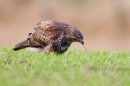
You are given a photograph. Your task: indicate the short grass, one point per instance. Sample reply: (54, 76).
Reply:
(74, 68)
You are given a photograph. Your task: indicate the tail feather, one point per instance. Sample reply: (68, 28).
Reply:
(25, 44)
(22, 45)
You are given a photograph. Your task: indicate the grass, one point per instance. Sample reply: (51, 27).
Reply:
(74, 68)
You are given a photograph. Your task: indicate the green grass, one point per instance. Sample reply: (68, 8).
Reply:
(73, 68)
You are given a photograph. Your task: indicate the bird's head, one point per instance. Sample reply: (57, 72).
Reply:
(77, 36)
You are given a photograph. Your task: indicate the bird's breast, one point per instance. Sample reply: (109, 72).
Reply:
(61, 47)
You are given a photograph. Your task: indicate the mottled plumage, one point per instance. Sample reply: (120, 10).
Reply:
(51, 36)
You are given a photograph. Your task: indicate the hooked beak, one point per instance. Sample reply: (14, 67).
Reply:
(82, 42)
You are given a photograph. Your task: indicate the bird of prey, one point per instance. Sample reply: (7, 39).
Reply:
(51, 36)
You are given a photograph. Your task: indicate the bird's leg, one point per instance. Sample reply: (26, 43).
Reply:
(47, 49)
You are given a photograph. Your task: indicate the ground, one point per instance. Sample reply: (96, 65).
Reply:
(74, 68)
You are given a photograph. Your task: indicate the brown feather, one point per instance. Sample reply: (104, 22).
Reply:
(52, 36)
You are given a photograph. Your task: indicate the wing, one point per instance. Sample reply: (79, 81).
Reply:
(45, 32)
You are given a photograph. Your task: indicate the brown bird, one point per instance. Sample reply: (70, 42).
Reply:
(51, 36)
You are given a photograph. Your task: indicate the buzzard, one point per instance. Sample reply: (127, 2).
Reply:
(51, 36)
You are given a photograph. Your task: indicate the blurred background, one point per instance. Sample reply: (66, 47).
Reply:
(105, 24)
